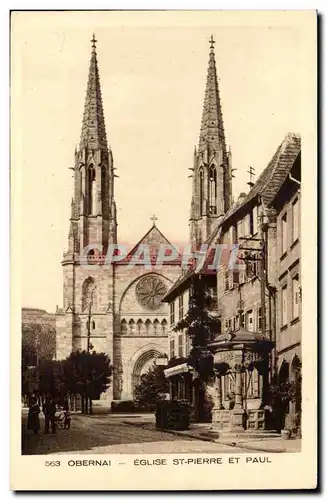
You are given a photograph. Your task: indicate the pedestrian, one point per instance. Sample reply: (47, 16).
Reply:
(33, 419)
(67, 415)
(49, 410)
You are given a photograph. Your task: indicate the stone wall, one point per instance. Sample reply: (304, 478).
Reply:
(140, 334)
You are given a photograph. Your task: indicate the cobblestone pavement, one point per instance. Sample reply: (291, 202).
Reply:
(104, 434)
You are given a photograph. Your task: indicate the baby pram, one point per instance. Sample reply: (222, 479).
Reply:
(60, 419)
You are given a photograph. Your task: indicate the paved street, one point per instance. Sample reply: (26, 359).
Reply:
(108, 434)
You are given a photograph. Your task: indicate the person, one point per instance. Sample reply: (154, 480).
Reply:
(67, 415)
(49, 410)
(33, 419)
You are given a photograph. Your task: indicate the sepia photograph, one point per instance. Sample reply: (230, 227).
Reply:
(158, 164)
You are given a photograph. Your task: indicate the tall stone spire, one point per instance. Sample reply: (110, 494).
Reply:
(93, 134)
(212, 132)
(93, 210)
(212, 188)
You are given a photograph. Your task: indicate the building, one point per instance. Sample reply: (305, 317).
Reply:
(265, 218)
(211, 199)
(287, 204)
(256, 285)
(109, 307)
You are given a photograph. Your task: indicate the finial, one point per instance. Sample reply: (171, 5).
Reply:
(153, 218)
(94, 41)
(212, 42)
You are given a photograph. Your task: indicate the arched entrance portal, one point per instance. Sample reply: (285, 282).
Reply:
(142, 365)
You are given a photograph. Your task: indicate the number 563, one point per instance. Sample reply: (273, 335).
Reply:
(52, 464)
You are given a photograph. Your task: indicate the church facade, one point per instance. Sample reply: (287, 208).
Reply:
(113, 308)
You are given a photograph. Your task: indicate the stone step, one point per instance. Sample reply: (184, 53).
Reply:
(244, 435)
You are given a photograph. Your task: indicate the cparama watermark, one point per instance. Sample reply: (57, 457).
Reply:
(209, 257)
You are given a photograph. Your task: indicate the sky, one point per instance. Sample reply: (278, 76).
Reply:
(153, 72)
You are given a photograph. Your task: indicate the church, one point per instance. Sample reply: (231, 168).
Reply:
(116, 309)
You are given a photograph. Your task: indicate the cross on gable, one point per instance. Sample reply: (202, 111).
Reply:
(154, 218)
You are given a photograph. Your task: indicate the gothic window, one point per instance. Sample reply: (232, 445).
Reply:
(139, 325)
(201, 191)
(123, 326)
(164, 325)
(93, 325)
(131, 324)
(91, 189)
(147, 325)
(150, 291)
(88, 294)
(213, 189)
(155, 326)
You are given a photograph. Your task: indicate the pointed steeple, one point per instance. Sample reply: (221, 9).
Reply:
(93, 135)
(212, 185)
(212, 132)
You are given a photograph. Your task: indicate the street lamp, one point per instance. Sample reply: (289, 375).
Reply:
(89, 320)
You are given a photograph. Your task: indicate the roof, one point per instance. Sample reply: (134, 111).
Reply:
(153, 239)
(93, 134)
(212, 127)
(233, 338)
(192, 269)
(273, 176)
(267, 187)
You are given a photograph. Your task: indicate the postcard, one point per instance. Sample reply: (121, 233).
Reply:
(164, 288)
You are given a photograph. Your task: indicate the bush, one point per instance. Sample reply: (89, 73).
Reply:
(208, 404)
(123, 406)
(173, 415)
(153, 385)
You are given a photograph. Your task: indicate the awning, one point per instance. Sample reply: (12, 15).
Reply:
(176, 370)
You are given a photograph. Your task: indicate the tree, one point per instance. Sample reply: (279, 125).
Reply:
(38, 343)
(51, 379)
(152, 387)
(87, 374)
(201, 325)
(30, 381)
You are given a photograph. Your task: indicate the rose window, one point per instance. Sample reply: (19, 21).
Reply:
(150, 291)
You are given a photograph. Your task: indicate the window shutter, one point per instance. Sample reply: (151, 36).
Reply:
(255, 216)
(226, 281)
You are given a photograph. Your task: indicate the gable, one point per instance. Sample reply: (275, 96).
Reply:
(153, 240)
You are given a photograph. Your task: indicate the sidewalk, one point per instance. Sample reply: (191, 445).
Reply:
(201, 432)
